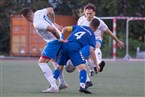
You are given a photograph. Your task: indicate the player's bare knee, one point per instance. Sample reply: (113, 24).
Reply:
(91, 49)
(42, 60)
(60, 67)
(81, 67)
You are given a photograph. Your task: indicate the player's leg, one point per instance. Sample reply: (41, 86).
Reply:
(88, 81)
(62, 59)
(98, 51)
(51, 89)
(91, 66)
(86, 53)
(99, 56)
(62, 83)
(43, 63)
(57, 73)
(49, 52)
(79, 61)
(83, 77)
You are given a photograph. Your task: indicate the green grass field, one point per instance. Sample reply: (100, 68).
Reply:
(119, 79)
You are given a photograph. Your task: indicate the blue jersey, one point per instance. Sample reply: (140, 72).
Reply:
(80, 37)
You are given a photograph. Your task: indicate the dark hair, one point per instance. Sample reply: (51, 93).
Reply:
(25, 11)
(90, 6)
(95, 23)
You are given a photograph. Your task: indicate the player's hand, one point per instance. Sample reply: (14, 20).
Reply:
(97, 68)
(63, 41)
(121, 44)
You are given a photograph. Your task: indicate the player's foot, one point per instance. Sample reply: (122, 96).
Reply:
(89, 84)
(51, 90)
(96, 72)
(102, 64)
(84, 90)
(62, 86)
(91, 73)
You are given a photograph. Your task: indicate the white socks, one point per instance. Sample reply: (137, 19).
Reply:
(48, 74)
(82, 85)
(90, 64)
(88, 79)
(99, 59)
(98, 55)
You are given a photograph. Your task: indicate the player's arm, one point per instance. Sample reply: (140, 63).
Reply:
(120, 43)
(92, 52)
(93, 57)
(67, 29)
(52, 30)
(51, 14)
(102, 33)
(59, 27)
(105, 29)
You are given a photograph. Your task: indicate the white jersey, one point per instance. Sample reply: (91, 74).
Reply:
(41, 22)
(101, 28)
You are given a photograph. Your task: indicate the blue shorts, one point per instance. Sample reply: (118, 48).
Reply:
(86, 51)
(75, 56)
(51, 50)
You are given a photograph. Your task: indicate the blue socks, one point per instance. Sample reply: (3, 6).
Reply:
(56, 73)
(83, 76)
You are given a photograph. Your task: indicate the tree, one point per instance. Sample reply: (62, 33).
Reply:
(72, 7)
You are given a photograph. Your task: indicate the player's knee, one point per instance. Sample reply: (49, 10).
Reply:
(60, 67)
(42, 60)
(91, 49)
(82, 67)
(97, 44)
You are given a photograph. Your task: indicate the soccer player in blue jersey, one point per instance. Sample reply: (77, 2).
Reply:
(80, 37)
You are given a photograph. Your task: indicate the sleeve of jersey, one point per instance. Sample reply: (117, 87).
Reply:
(103, 26)
(80, 20)
(45, 10)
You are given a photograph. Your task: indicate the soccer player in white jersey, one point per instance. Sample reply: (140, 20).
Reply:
(89, 14)
(43, 21)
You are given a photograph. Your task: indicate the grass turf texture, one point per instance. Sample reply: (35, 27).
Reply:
(119, 79)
